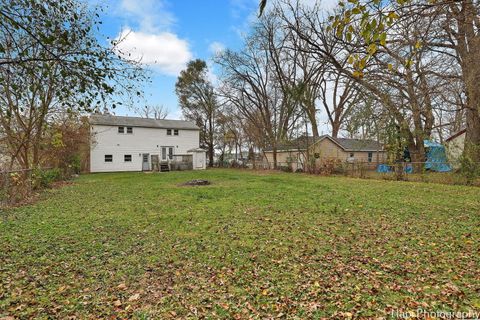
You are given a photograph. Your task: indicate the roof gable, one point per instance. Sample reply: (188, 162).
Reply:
(456, 134)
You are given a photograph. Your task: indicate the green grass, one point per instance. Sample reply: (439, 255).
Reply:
(250, 245)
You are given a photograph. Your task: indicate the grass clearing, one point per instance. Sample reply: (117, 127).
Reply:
(249, 245)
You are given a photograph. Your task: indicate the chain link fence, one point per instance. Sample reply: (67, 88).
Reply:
(15, 185)
(438, 172)
(18, 185)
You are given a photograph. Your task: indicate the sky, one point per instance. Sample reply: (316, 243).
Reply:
(166, 34)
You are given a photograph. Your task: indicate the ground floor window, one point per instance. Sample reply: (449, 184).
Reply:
(370, 156)
(127, 158)
(108, 158)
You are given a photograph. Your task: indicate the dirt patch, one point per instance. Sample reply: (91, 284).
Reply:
(196, 182)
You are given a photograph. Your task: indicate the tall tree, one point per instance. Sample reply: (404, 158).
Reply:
(51, 61)
(199, 102)
(455, 26)
(251, 83)
(400, 73)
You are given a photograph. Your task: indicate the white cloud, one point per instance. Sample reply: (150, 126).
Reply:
(163, 51)
(150, 15)
(216, 47)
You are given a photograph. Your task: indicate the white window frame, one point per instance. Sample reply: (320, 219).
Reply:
(105, 158)
(125, 158)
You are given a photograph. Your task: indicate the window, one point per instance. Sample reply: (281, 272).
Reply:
(108, 158)
(169, 132)
(352, 154)
(370, 156)
(317, 155)
(121, 129)
(129, 130)
(175, 132)
(127, 158)
(167, 152)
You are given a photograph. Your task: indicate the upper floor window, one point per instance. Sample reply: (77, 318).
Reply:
(169, 132)
(175, 132)
(129, 130)
(121, 129)
(108, 158)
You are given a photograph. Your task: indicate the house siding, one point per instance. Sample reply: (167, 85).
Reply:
(107, 140)
(454, 150)
(327, 150)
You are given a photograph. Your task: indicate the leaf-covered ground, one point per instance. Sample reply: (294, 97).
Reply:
(251, 245)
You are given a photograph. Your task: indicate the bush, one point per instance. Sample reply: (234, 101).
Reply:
(44, 178)
(75, 164)
(469, 168)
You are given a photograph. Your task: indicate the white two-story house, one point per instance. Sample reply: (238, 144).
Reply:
(139, 144)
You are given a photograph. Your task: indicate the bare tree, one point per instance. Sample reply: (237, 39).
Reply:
(252, 84)
(158, 112)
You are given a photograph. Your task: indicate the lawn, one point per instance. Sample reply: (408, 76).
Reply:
(251, 245)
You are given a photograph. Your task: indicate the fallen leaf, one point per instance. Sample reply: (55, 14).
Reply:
(135, 297)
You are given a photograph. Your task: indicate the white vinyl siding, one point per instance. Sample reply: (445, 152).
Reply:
(107, 141)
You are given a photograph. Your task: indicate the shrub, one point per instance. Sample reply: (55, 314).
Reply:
(75, 164)
(469, 168)
(43, 178)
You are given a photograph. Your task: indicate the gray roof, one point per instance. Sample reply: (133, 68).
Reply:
(358, 144)
(301, 143)
(109, 120)
(297, 144)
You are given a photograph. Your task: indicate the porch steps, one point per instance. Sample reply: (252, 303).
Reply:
(164, 167)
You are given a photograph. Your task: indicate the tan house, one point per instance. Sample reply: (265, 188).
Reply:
(326, 148)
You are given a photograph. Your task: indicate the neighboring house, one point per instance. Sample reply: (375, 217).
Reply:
(139, 144)
(326, 148)
(454, 147)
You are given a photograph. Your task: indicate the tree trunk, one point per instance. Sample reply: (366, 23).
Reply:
(335, 128)
(210, 141)
(472, 80)
(467, 48)
(275, 157)
(472, 137)
(210, 155)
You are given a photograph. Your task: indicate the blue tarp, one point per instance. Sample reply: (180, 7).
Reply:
(385, 168)
(436, 160)
(436, 157)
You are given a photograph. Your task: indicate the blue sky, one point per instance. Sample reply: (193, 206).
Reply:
(166, 34)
